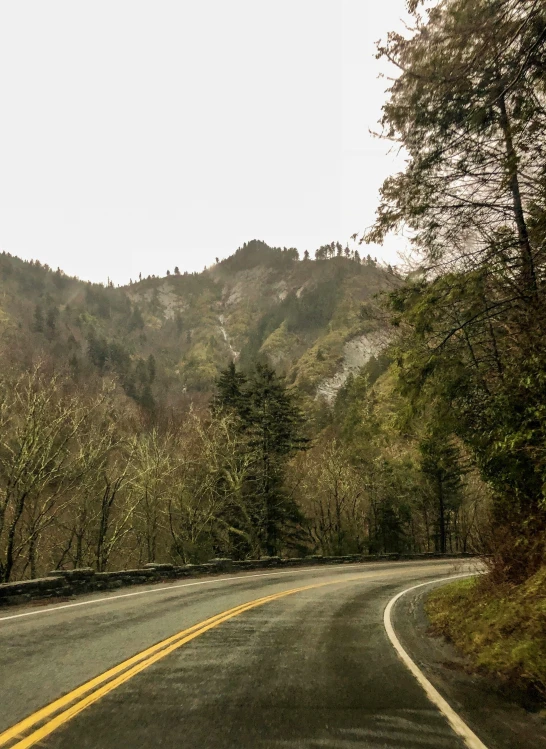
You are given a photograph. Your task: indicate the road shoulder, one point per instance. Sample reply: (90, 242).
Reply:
(498, 721)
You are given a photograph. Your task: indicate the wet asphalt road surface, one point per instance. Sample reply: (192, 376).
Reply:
(311, 670)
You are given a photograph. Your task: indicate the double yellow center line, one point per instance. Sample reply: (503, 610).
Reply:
(43, 722)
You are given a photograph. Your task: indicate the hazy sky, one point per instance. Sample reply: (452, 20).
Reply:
(136, 136)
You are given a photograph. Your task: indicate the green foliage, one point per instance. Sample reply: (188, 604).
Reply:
(98, 301)
(416, 494)
(231, 392)
(255, 253)
(501, 629)
(467, 110)
(136, 321)
(487, 388)
(38, 325)
(307, 314)
(272, 426)
(441, 467)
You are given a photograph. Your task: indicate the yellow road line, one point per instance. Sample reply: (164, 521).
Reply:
(53, 707)
(125, 671)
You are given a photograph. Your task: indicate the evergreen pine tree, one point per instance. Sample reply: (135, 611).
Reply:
(230, 393)
(38, 325)
(147, 399)
(440, 465)
(274, 427)
(151, 368)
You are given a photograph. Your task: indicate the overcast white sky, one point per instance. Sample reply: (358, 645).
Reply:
(136, 136)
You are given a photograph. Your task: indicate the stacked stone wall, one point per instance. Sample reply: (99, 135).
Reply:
(69, 583)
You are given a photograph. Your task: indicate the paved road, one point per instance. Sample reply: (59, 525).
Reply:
(313, 669)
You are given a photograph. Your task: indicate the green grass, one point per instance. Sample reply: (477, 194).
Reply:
(501, 628)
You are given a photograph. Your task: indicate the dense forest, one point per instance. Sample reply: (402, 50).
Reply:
(226, 414)
(469, 109)
(106, 460)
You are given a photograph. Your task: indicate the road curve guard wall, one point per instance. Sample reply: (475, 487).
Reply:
(68, 583)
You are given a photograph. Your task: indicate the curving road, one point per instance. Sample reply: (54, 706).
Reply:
(310, 667)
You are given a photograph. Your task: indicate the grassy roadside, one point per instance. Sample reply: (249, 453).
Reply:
(501, 629)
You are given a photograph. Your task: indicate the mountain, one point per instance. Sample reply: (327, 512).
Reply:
(314, 321)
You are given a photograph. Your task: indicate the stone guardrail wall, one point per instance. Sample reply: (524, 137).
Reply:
(67, 583)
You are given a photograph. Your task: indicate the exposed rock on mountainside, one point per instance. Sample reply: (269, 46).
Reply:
(313, 321)
(356, 353)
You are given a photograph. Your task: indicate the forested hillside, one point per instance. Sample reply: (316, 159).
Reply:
(109, 438)
(246, 410)
(163, 336)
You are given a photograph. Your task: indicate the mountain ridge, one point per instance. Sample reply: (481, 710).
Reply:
(165, 336)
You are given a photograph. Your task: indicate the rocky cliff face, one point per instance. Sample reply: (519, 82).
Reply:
(313, 320)
(356, 353)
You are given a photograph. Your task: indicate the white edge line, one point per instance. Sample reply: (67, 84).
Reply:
(161, 589)
(454, 720)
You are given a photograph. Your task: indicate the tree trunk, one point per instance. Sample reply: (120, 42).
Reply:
(8, 568)
(526, 253)
(442, 519)
(32, 555)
